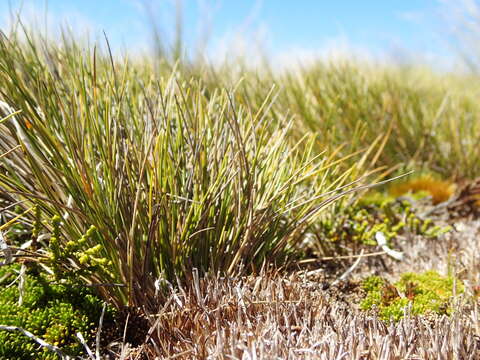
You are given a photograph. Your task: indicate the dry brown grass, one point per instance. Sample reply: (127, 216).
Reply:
(294, 316)
(274, 317)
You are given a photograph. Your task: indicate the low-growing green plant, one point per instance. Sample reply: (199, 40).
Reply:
(428, 292)
(52, 312)
(375, 212)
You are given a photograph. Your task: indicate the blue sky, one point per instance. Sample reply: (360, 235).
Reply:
(283, 26)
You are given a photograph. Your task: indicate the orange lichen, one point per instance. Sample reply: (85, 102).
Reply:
(439, 190)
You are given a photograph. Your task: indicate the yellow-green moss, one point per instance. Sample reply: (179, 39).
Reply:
(53, 312)
(424, 185)
(428, 292)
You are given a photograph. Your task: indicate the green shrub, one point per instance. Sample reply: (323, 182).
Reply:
(375, 212)
(52, 312)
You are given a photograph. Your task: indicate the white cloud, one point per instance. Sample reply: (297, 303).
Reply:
(337, 48)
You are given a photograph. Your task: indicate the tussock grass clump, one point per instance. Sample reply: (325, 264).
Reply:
(165, 174)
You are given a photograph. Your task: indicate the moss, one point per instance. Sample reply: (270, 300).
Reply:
(372, 285)
(52, 312)
(428, 292)
(425, 185)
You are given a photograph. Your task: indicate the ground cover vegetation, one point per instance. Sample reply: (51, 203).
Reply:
(196, 199)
